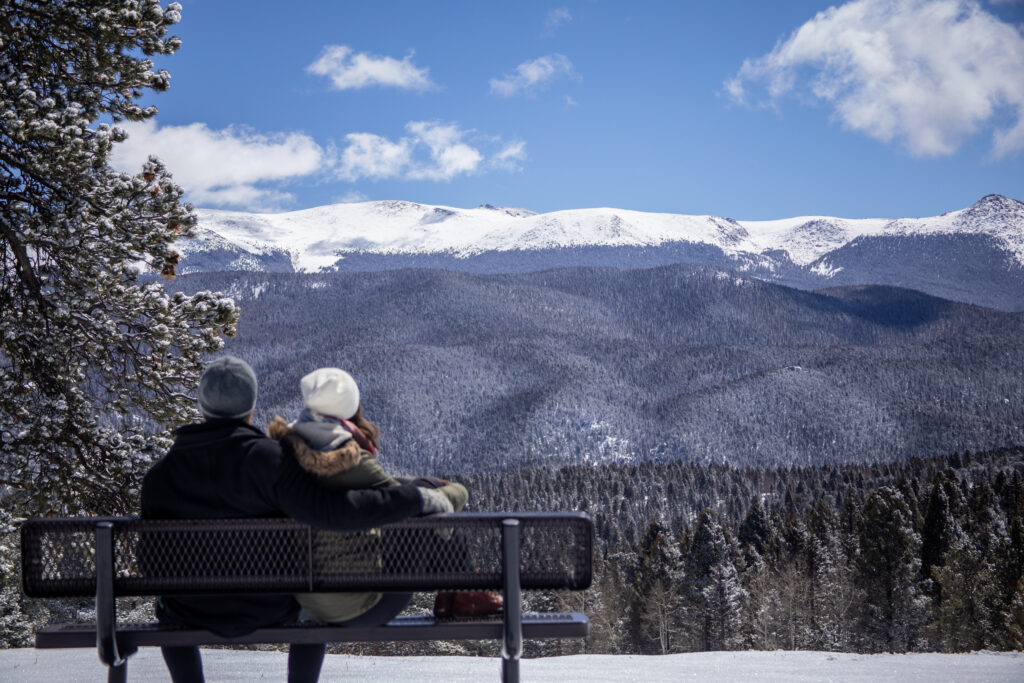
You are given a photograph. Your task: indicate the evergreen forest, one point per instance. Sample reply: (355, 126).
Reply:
(922, 555)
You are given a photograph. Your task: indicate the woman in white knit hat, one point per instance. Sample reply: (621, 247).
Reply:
(332, 422)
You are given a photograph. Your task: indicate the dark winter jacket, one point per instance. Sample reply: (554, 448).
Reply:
(227, 468)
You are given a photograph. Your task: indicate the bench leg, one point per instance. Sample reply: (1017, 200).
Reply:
(118, 674)
(106, 603)
(509, 670)
(512, 648)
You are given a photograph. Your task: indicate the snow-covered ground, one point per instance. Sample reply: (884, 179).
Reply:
(222, 665)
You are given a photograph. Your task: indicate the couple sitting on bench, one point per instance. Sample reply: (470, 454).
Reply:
(320, 470)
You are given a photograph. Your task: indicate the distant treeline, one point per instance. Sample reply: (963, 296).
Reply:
(921, 555)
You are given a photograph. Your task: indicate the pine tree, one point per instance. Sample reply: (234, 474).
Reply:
(712, 590)
(939, 532)
(963, 613)
(724, 601)
(609, 608)
(888, 570)
(93, 358)
(795, 605)
(656, 601)
(757, 530)
(1013, 618)
(1012, 578)
(992, 546)
(762, 627)
(831, 587)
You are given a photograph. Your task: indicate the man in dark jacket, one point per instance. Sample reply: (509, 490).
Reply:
(225, 467)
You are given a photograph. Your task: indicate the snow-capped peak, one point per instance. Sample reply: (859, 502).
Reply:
(316, 238)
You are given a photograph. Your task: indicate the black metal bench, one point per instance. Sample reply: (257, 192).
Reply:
(112, 557)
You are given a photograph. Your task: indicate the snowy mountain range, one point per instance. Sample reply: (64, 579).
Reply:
(974, 255)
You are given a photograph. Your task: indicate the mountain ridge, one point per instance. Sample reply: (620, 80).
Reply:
(808, 252)
(400, 227)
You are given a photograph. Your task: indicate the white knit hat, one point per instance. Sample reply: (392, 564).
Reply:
(330, 391)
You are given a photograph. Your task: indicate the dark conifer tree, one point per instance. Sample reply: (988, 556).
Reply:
(711, 590)
(757, 530)
(724, 601)
(963, 614)
(831, 591)
(655, 603)
(888, 573)
(938, 534)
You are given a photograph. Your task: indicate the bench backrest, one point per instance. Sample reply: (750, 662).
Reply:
(190, 557)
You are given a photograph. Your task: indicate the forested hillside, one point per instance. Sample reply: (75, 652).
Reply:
(475, 373)
(921, 555)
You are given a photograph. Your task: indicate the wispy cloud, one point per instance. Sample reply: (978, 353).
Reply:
(349, 70)
(230, 167)
(510, 157)
(555, 18)
(430, 150)
(353, 197)
(533, 75)
(926, 73)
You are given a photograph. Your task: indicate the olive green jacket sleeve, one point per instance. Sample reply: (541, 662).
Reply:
(368, 474)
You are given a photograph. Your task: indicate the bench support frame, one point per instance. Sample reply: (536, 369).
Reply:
(106, 607)
(512, 648)
(107, 569)
(116, 659)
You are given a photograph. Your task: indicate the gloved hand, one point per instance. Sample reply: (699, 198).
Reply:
(434, 501)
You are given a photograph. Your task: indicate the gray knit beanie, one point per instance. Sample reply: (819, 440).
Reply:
(227, 389)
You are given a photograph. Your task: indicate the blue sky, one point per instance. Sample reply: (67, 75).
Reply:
(752, 110)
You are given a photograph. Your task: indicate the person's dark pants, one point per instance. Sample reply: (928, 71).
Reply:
(304, 661)
(184, 664)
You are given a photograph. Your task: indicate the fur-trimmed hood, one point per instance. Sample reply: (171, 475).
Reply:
(320, 463)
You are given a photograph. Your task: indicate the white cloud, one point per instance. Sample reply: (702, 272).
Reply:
(570, 102)
(450, 156)
(510, 157)
(927, 73)
(430, 151)
(372, 156)
(533, 75)
(229, 167)
(353, 197)
(350, 70)
(555, 18)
